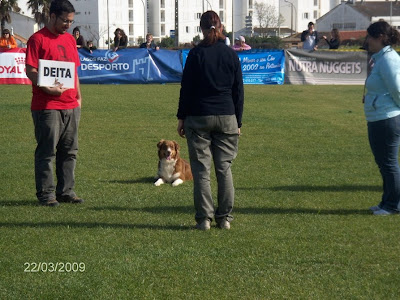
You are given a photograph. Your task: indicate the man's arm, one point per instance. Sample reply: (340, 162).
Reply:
(304, 35)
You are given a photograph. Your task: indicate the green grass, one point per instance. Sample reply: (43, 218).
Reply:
(304, 179)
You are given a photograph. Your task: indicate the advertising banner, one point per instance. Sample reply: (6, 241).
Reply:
(129, 66)
(259, 66)
(263, 67)
(12, 67)
(326, 67)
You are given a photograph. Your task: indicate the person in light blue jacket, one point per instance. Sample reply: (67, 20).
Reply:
(382, 111)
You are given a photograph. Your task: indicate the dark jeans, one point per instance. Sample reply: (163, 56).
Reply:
(56, 133)
(384, 139)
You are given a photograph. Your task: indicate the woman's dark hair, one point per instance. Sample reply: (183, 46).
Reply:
(337, 33)
(390, 35)
(121, 31)
(58, 7)
(210, 24)
(76, 29)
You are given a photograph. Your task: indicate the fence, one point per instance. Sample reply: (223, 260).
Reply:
(138, 66)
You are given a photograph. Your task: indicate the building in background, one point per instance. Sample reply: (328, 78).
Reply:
(98, 19)
(356, 16)
(298, 13)
(22, 27)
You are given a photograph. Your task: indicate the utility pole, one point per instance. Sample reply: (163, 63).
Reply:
(279, 18)
(176, 23)
(291, 16)
(233, 30)
(144, 20)
(108, 28)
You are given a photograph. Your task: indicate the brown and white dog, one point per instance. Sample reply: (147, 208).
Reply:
(171, 167)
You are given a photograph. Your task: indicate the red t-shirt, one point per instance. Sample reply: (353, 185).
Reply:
(46, 45)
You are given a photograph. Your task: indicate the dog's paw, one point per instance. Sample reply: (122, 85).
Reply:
(159, 182)
(177, 182)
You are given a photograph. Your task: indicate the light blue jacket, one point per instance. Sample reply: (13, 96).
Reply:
(382, 100)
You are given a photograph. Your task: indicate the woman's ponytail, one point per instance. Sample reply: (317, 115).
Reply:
(210, 24)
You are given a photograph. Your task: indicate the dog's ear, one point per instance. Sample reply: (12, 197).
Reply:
(176, 146)
(160, 143)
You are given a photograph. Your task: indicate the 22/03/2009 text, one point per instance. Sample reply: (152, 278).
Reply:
(61, 267)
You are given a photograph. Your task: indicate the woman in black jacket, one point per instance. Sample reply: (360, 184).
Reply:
(210, 116)
(120, 39)
(334, 42)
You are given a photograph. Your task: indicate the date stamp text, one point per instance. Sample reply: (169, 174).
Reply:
(52, 267)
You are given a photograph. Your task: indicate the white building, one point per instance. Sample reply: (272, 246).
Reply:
(298, 13)
(98, 19)
(355, 16)
(22, 25)
(161, 16)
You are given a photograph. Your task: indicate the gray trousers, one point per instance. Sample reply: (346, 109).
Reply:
(212, 138)
(56, 133)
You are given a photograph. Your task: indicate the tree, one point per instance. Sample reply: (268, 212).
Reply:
(40, 10)
(266, 15)
(281, 20)
(167, 42)
(6, 6)
(196, 39)
(97, 35)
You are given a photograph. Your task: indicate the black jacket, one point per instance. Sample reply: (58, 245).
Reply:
(121, 43)
(333, 43)
(212, 83)
(151, 46)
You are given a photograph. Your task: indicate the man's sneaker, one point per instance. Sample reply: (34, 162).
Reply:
(382, 212)
(224, 224)
(205, 225)
(374, 208)
(51, 203)
(70, 199)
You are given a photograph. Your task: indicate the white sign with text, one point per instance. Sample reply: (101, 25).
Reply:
(54, 73)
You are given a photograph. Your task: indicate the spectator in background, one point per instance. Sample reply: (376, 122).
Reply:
(334, 42)
(227, 40)
(89, 46)
(120, 39)
(7, 41)
(149, 43)
(382, 111)
(309, 38)
(240, 44)
(80, 41)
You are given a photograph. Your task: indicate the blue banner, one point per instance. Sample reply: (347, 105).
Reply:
(259, 66)
(166, 66)
(129, 66)
(263, 66)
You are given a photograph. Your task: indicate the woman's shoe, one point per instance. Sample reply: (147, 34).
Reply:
(205, 225)
(382, 212)
(374, 208)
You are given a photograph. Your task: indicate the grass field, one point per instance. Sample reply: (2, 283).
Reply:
(304, 180)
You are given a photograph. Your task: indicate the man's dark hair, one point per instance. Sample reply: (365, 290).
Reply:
(58, 7)
(311, 23)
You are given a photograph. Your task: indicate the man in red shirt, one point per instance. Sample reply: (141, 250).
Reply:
(55, 110)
